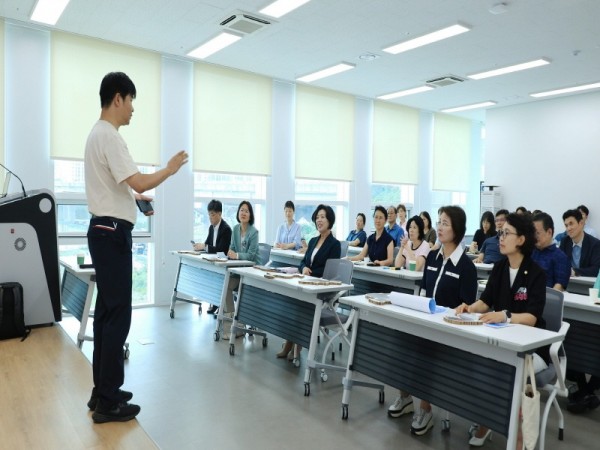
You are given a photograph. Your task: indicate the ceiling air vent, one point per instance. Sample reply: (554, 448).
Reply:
(445, 81)
(244, 23)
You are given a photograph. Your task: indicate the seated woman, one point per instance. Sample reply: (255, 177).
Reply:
(380, 245)
(322, 247)
(430, 235)
(450, 278)
(515, 292)
(244, 245)
(413, 247)
(487, 229)
(402, 217)
(288, 233)
(358, 237)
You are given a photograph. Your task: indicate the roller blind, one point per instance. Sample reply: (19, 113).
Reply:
(232, 121)
(324, 134)
(2, 92)
(78, 66)
(395, 144)
(451, 153)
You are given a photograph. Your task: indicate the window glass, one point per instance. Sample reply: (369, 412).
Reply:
(392, 194)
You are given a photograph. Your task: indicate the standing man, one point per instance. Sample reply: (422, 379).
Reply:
(111, 178)
(393, 229)
(219, 236)
(548, 256)
(582, 249)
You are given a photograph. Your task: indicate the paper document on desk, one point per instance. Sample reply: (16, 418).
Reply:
(415, 302)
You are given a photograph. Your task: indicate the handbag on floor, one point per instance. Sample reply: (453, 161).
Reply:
(530, 406)
(12, 317)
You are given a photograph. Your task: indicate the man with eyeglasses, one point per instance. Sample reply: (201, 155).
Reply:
(392, 228)
(490, 250)
(548, 256)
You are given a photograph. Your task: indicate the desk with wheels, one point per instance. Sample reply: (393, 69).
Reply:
(582, 344)
(280, 257)
(581, 285)
(76, 292)
(451, 366)
(384, 279)
(203, 277)
(283, 307)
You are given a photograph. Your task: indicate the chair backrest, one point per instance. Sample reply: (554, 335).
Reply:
(553, 311)
(344, 252)
(264, 254)
(338, 270)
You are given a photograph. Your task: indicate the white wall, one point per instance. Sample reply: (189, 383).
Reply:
(544, 155)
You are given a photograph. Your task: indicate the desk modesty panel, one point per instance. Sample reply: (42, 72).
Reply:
(582, 344)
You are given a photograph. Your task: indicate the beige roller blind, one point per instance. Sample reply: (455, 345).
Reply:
(78, 66)
(232, 121)
(324, 134)
(451, 153)
(395, 144)
(2, 93)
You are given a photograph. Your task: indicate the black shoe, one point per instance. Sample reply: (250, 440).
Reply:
(580, 403)
(93, 402)
(216, 312)
(122, 412)
(214, 309)
(592, 401)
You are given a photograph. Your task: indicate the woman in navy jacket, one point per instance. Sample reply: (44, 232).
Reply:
(320, 248)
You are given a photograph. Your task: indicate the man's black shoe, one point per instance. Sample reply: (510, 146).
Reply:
(580, 403)
(592, 401)
(213, 309)
(93, 402)
(122, 412)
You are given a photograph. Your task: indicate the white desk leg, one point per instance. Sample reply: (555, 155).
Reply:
(220, 326)
(81, 336)
(312, 348)
(513, 428)
(417, 289)
(174, 296)
(347, 380)
(234, 322)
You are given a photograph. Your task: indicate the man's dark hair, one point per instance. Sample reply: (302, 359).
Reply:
(458, 219)
(575, 213)
(290, 204)
(584, 209)
(546, 219)
(115, 83)
(381, 209)
(329, 214)
(215, 206)
(502, 212)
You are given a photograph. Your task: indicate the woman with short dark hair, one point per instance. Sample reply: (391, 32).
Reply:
(380, 245)
(413, 246)
(358, 237)
(289, 233)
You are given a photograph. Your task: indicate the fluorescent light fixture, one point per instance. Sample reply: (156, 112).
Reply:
(217, 43)
(281, 7)
(584, 87)
(430, 38)
(48, 11)
(338, 68)
(466, 107)
(416, 90)
(509, 69)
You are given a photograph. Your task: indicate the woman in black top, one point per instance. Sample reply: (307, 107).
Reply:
(380, 245)
(515, 291)
(487, 229)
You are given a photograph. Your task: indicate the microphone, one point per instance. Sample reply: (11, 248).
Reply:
(17, 177)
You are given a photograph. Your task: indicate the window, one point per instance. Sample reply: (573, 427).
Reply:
(73, 219)
(311, 193)
(230, 189)
(392, 194)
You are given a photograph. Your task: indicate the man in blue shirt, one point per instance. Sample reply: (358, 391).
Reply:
(548, 256)
(490, 250)
(393, 229)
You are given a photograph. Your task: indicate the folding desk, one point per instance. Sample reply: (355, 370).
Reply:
(582, 344)
(475, 372)
(384, 279)
(282, 307)
(201, 277)
(281, 257)
(581, 285)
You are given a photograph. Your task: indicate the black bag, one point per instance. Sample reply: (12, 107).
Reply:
(12, 318)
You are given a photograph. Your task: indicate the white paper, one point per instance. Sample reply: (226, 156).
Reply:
(413, 302)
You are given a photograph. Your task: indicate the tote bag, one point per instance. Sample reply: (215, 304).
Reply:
(530, 406)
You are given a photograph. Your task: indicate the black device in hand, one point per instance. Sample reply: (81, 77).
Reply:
(144, 206)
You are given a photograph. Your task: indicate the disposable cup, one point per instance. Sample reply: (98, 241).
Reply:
(80, 258)
(412, 265)
(594, 294)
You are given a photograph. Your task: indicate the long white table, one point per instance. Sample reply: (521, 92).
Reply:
(201, 277)
(283, 307)
(582, 344)
(384, 279)
(281, 257)
(475, 372)
(581, 285)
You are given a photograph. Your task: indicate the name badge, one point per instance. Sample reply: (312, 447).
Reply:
(452, 274)
(433, 269)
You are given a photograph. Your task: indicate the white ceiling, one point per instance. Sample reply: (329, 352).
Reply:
(324, 32)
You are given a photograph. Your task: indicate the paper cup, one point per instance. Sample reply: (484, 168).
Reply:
(367, 260)
(80, 258)
(594, 294)
(412, 265)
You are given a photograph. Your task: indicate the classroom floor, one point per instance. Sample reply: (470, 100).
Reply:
(195, 395)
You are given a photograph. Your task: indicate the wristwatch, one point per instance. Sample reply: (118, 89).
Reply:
(508, 315)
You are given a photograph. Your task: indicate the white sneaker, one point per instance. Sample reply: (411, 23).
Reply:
(402, 406)
(422, 422)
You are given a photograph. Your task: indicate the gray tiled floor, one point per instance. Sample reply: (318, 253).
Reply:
(194, 395)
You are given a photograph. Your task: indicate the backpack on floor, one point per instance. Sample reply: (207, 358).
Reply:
(12, 317)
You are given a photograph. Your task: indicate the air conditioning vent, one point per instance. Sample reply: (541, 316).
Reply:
(244, 23)
(445, 81)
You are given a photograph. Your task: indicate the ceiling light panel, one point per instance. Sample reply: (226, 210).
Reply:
(427, 39)
(568, 90)
(467, 107)
(217, 43)
(329, 71)
(405, 92)
(282, 7)
(48, 11)
(510, 69)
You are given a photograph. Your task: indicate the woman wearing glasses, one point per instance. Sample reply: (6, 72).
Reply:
(515, 292)
(450, 277)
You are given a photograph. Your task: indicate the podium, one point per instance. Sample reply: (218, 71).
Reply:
(29, 253)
